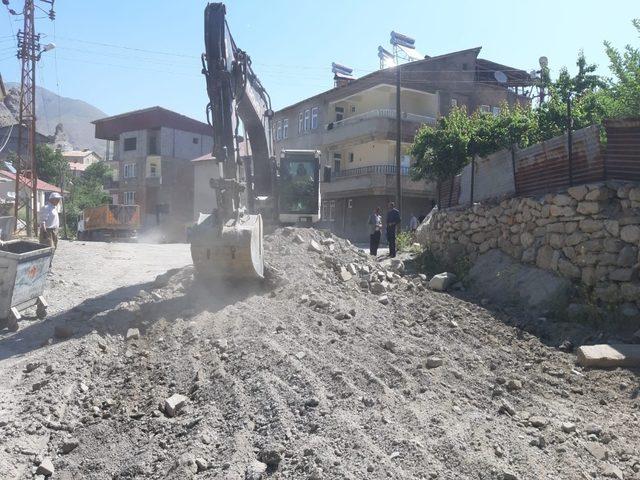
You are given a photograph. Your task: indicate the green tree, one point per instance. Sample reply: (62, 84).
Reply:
(51, 164)
(87, 191)
(623, 98)
(442, 151)
(589, 102)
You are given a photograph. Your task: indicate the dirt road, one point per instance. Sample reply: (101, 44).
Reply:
(329, 371)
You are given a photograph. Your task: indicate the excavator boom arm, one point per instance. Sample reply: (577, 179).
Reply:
(235, 93)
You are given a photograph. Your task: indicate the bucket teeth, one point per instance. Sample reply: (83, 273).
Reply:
(236, 252)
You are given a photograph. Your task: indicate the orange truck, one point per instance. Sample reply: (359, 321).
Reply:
(109, 223)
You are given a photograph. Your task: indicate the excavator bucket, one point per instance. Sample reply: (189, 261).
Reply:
(233, 252)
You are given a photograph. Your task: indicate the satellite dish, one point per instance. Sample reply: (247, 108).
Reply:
(500, 76)
(543, 61)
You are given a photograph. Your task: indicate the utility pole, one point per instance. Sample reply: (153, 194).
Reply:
(29, 51)
(398, 140)
(570, 139)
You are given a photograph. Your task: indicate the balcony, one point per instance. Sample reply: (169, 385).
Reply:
(387, 169)
(375, 180)
(112, 184)
(153, 180)
(375, 124)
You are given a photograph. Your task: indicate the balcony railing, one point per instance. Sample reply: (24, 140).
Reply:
(382, 113)
(112, 184)
(385, 169)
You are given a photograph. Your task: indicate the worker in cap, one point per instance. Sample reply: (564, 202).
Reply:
(49, 221)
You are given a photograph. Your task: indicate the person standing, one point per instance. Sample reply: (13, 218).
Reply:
(375, 230)
(413, 223)
(49, 221)
(393, 220)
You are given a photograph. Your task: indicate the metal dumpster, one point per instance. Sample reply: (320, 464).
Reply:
(23, 274)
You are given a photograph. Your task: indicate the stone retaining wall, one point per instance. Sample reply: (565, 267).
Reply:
(590, 234)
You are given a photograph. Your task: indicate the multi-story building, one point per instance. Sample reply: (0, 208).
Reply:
(79, 160)
(354, 126)
(150, 152)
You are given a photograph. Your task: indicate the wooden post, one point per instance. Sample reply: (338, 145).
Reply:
(513, 166)
(473, 176)
(570, 139)
(451, 191)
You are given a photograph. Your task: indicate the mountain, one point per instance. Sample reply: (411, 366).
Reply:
(75, 115)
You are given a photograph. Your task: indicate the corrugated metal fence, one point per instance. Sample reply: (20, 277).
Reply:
(622, 158)
(545, 167)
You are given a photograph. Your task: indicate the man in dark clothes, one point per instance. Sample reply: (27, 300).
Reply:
(393, 220)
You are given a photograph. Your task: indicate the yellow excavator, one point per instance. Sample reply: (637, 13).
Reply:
(228, 244)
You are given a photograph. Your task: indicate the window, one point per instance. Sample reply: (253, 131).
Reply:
(350, 203)
(196, 140)
(353, 109)
(153, 170)
(329, 210)
(339, 113)
(130, 144)
(454, 102)
(114, 198)
(129, 170)
(285, 128)
(278, 130)
(307, 119)
(300, 122)
(350, 157)
(495, 111)
(485, 109)
(337, 159)
(314, 118)
(129, 198)
(153, 145)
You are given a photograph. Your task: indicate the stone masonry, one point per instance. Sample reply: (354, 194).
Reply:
(590, 234)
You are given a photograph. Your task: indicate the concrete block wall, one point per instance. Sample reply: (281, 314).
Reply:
(589, 233)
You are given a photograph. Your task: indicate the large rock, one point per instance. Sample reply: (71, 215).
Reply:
(547, 258)
(174, 404)
(315, 247)
(442, 281)
(630, 233)
(504, 280)
(344, 275)
(605, 356)
(578, 192)
(46, 467)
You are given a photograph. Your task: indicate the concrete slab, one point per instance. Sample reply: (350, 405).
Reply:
(605, 356)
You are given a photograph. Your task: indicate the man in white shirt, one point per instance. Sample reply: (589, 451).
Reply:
(413, 223)
(49, 221)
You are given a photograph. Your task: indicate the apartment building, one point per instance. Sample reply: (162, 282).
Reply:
(354, 126)
(150, 152)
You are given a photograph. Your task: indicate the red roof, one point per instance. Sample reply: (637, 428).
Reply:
(42, 185)
(155, 117)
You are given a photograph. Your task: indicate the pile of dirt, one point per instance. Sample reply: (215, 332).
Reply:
(341, 366)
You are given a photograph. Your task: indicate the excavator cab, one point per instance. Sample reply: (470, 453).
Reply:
(299, 187)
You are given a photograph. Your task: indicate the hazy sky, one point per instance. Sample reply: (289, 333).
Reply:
(122, 55)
